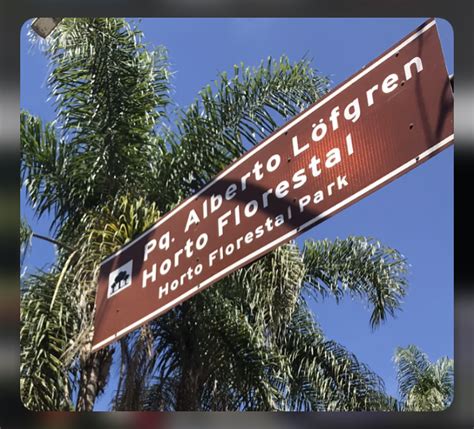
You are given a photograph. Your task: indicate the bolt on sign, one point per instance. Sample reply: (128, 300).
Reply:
(383, 121)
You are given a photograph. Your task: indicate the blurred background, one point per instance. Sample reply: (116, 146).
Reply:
(12, 16)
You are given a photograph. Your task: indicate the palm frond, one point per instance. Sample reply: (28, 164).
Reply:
(104, 232)
(46, 330)
(423, 385)
(244, 344)
(110, 92)
(360, 267)
(239, 112)
(324, 375)
(26, 234)
(43, 164)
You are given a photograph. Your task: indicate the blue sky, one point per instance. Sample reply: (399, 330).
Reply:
(413, 214)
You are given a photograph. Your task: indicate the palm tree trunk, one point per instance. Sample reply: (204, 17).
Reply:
(89, 384)
(188, 392)
(94, 373)
(189, 388)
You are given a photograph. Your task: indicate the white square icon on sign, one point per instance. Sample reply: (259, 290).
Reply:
(120, 279)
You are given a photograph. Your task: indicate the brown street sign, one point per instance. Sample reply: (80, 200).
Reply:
(383, 121)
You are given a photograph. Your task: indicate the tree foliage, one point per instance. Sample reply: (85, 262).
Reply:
(117, 156)
(423, 385)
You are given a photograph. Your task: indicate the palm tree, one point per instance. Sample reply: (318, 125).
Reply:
(423, 385)
(119, 155)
